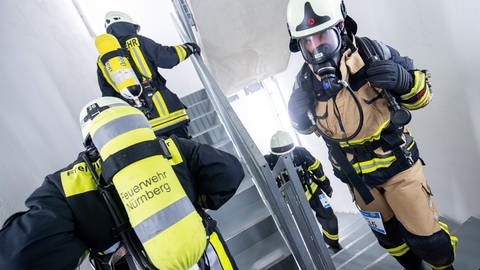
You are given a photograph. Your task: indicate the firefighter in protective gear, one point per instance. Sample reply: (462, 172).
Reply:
(341, 94)
(164, 110)
(315, 184)
(67, 216)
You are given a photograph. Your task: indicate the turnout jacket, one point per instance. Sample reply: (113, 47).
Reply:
(309, 170)
(58, 229)
(146, 56)
(380, 150)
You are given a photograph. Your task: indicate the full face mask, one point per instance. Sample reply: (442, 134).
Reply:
(322, 51)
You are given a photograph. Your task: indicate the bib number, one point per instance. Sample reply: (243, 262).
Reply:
(374, 220)
(324, 200)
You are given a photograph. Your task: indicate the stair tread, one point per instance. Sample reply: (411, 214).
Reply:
(262, 254)
(468, 245)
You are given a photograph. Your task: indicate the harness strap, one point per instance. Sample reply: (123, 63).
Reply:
(131, 154)
(352, 176)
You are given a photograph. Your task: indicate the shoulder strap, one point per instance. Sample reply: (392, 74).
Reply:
(369, 48)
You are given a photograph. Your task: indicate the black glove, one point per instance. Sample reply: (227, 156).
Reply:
(192, 48)
(389, 75)
(328, 190)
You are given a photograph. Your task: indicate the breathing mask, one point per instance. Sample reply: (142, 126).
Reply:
(322, 51)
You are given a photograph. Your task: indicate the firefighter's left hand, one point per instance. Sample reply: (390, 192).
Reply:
(390, 76)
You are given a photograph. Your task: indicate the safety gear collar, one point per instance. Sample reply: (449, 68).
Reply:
(281, 143)
(113, 17)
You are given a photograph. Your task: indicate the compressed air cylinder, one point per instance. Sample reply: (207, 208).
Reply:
(162, 216)
(117, 68)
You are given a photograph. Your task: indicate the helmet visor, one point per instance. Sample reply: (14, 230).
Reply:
(321, 46)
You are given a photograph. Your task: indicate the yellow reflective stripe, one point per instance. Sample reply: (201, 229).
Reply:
(313, 187)
(398, 251)
(440, 267)
(373, 164)
(322, 178)
(172, 148)
(418, 85)
(160, 104)
(169, 120)
(330, 236)
(78, 179)
(421, 102)
(106, 74)
(181, 53)
(453, 239)
(375, 136)
(220, 250)
(133, 46)
(314, 166)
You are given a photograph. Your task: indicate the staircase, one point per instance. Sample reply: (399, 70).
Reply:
(244, 221)
(254, 240)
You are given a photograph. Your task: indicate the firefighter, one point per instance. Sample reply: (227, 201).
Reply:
(356, 94)
(166, 113)
(68, 217)
(315, 184)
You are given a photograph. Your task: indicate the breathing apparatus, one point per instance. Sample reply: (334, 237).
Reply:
(320, 31)
(118, 71)
(153, 215)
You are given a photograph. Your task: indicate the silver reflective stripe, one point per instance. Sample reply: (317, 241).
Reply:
(159, 102)
(212, 258)
(140, 63)
(117, 127)
(164, 219)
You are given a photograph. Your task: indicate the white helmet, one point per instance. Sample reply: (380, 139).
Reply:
(281, 143)
(92, 109)
(117, 16)
(312, 23)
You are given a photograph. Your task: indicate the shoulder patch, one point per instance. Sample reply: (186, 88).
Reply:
(176, 156)
(78, 179)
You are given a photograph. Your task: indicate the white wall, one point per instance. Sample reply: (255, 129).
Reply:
(48, 71)
(441, 36)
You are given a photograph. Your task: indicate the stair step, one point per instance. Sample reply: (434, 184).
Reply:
(264, 254)
(468, 245)
(359, 241)
(195, 97)
(384, 262)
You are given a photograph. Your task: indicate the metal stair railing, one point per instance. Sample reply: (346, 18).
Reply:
(301, 244)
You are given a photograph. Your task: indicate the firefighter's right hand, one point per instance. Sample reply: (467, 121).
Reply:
(328, 190)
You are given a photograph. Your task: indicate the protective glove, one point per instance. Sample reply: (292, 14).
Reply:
(389, 75)
(328, 190)
(192, 48)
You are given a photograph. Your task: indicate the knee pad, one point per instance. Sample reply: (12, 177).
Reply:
(438, 249)
(396, 246)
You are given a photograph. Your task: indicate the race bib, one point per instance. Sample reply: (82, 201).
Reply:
(374, 220)
(324, 200)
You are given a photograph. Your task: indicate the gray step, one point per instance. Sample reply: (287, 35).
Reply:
(191, 99)
(204, 122)
(211, 135)
(469, 245)
(264, 254)
(361, 249)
